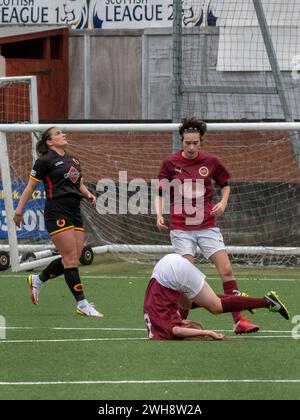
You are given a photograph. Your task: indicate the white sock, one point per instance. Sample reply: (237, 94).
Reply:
(82, 303)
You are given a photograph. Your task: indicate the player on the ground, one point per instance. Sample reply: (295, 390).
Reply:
(195, 171)
(174, 276)
(61, 175)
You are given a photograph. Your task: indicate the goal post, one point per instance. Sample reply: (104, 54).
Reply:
(120, 164)
(8, 201)
(18, 102)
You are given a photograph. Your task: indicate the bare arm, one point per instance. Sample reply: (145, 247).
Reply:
(220, 207)
(26, 195)
(159, 206)
(186, 332)
(86, 193)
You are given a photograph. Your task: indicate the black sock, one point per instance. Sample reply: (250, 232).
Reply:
(54, 269)
(73, 281)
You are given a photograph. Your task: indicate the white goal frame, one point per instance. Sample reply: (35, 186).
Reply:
(123, 248)
(4, 163)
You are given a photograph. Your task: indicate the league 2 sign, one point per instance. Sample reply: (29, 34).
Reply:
(111, 14)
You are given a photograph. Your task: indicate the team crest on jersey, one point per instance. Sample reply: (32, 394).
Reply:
(75, 161)
(203, 171)
(60, 223)
(73, 175)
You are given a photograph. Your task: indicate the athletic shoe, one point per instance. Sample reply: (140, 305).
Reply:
(238, 293)
(244, 326)
(276, 305)
(88, 310)
(35, 288)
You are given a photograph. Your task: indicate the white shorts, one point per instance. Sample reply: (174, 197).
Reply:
(208, 240)
(177, 273)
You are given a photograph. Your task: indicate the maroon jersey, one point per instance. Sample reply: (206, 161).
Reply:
(202, 170)
(161, 311)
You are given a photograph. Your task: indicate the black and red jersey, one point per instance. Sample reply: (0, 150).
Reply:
(205, 167)
(61, 175)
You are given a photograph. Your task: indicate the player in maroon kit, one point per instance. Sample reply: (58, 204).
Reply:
(61, 175)
(173, 277)
(192, 171)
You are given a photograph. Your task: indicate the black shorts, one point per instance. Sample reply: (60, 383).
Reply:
(62, 214)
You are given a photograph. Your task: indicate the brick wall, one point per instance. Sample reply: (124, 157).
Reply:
(256, 156)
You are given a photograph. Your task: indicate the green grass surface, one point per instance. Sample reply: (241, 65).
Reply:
(110, 357)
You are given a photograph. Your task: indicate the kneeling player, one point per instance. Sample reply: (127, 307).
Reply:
(175, 277)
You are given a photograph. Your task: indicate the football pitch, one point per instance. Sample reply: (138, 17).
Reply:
(49, 352)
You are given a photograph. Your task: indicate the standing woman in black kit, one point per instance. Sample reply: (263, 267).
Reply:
(61, 175)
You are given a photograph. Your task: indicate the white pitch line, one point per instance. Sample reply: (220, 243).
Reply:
(208, 278)
(101, 329)
(158, 381)
(66, 340)
(117, 329)
(108, 277)
(75, 328)
(261, 336)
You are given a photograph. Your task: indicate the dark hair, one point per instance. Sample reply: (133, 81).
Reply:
(192, 125)
(42, 146)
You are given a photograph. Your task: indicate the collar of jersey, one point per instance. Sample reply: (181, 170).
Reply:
(189, 160)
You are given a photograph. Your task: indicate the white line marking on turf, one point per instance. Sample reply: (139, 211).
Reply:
(262, 336)
(76, 328)
(143, 276)
(66, 340)
(208, 278)
(158, 381)
(118, 329)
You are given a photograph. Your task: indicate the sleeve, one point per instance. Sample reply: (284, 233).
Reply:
(80, 171)
(164, 175)
(39, 170)
(221, 175)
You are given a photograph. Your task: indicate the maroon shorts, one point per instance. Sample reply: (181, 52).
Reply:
(161, 311)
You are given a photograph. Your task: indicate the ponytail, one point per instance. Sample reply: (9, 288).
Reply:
(42, 146)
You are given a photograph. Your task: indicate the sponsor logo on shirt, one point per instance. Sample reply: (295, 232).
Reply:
(58, 163)
(33, 172)
(203, 171)
(179, 170)
(73, 175)
(75, 161)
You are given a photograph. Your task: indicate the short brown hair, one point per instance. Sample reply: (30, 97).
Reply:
(192, 124)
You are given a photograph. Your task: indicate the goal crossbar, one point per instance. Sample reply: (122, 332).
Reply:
(159, 127)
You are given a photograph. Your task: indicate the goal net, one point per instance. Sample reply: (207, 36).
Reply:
(223, 54)
(120, 164)
(261, 223)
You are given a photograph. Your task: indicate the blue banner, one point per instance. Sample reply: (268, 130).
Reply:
(34, 226)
